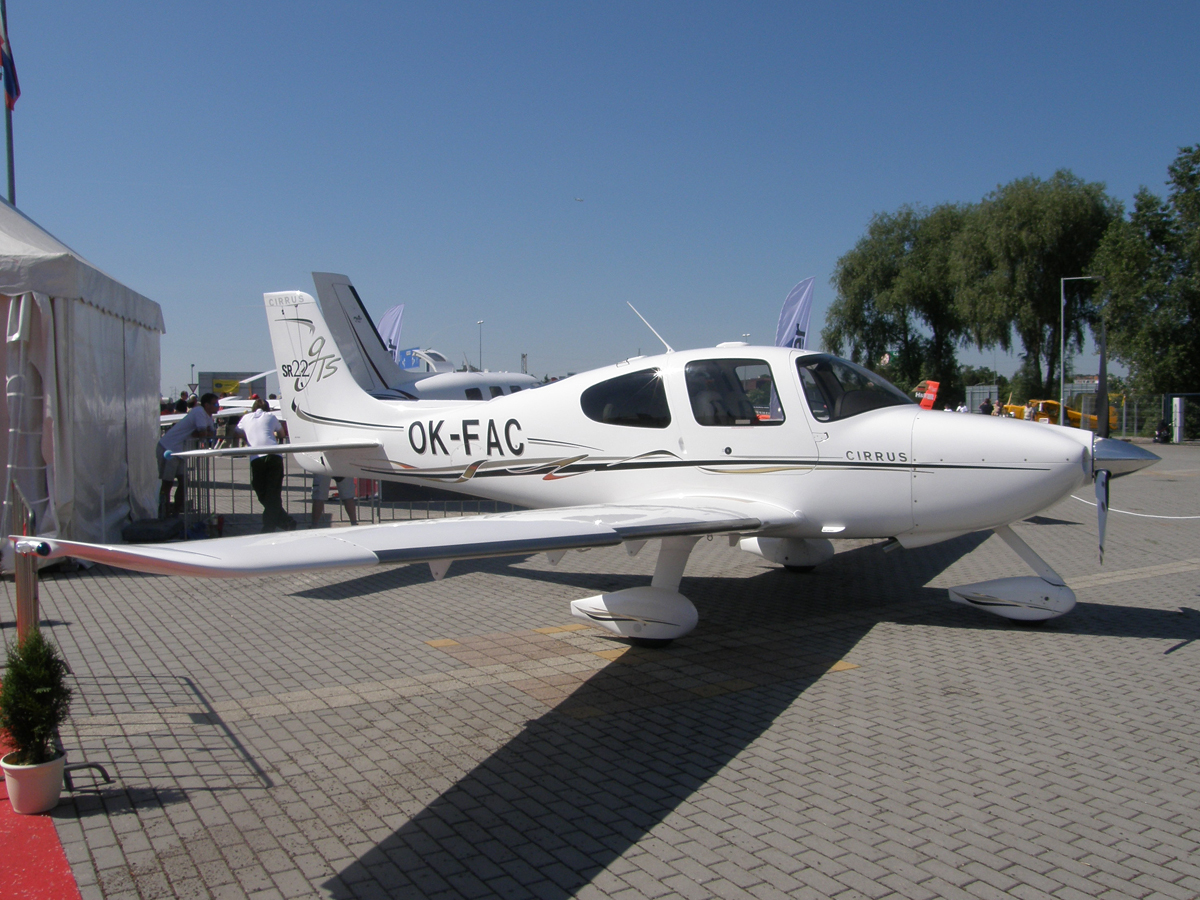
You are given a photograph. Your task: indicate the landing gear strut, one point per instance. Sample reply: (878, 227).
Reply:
(649, 616)
(1023, 599)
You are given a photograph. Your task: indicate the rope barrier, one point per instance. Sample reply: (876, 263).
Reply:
(1126, 512)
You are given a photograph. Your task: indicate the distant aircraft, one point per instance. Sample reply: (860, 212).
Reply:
(374, 368)
(668, 448)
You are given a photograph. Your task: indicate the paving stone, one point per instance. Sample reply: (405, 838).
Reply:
(300, 736)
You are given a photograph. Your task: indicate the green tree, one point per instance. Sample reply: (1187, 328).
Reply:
(1151, 268)
(895, 296)
(1009, 256)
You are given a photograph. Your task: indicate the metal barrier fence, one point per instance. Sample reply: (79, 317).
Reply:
(1138, 415)
(221, 501)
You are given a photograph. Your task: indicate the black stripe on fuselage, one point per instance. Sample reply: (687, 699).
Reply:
(539, 469)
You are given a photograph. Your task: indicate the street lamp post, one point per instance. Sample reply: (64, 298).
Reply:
(1062, 343)
(480, 324)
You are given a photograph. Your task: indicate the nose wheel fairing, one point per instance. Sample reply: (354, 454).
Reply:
(1025, 598)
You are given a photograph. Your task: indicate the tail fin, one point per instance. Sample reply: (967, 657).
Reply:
(320, 397)
(356, 335)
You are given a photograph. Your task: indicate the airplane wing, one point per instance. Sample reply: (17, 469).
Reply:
(428, 540)
(172, 418)
(312, 447)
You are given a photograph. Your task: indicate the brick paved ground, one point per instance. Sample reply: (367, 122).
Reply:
(849, 733)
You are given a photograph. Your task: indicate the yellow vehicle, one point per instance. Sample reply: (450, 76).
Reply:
(1047, 411)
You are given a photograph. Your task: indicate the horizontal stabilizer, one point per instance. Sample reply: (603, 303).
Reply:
(318, 447)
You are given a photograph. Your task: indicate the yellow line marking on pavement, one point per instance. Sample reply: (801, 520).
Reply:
(559, 629)
(443, 642)
(624, 654)
(1101, 578)
(841, 666)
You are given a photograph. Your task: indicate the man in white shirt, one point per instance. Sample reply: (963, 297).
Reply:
(197, 423)
(262, 429)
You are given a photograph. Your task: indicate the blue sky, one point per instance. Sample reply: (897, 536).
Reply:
(204, 153)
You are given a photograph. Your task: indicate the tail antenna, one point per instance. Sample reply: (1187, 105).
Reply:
(670, 349)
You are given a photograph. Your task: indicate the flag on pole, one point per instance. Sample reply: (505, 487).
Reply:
(12, 87)
(390, 327)
(793, 318)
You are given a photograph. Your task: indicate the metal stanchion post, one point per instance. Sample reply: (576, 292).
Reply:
(26, 577)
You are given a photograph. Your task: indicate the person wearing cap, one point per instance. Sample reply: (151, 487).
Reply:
(198, 422)
(262, 429)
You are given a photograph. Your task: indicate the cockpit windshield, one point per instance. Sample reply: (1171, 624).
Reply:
(837, 389)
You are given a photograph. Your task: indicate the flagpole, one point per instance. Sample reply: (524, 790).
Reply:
(12, 178)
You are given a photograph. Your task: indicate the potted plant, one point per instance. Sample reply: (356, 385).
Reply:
(34, 699)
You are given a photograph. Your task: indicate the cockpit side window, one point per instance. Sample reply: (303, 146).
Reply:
(638, 400)
(837, 389)
(732, 392)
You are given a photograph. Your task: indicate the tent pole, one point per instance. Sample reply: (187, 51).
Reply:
(12, 179)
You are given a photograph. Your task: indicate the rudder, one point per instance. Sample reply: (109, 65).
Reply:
(316, 386)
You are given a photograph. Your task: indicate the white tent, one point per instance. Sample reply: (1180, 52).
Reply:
(80, 417)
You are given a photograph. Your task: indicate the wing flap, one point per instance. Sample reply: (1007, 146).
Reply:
(470, 537)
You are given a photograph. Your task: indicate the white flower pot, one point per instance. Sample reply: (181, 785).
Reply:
(34, 789)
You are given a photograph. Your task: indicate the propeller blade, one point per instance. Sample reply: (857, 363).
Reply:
(1102, 506)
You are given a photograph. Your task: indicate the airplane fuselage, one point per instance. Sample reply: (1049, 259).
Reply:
(895, 471)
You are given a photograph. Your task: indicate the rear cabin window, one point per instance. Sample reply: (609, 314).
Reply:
(637, 400)
(837, 389)
(474, 394)
(496, 390)
(733, 392)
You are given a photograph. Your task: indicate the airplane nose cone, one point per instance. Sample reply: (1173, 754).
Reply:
(1120, 458)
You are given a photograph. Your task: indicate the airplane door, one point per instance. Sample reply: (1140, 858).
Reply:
(731, 410)
(863, 427)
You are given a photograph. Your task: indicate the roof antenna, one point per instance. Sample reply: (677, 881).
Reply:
(670, 349)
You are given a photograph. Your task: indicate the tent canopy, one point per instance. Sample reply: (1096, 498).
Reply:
(79, 417)
(32, 259)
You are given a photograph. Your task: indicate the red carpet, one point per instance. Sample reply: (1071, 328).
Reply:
(32, 863)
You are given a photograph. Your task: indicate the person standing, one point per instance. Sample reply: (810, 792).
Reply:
(198, 422)
(985, 408)
(262, 429)
(320, 492)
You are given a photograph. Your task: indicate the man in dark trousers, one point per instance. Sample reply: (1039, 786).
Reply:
(197, 423)
(262, 429)
(986, 406)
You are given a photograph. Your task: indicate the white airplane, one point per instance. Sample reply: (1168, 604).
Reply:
(668, 448)
(364, 353)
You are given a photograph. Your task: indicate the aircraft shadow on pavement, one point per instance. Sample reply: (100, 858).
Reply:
(1104, 620)
(571, 793)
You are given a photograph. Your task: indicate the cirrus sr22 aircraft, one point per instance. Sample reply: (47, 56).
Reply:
(667, 448)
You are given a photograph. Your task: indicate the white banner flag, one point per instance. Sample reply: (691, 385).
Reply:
(793, 318)
(390, 327)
